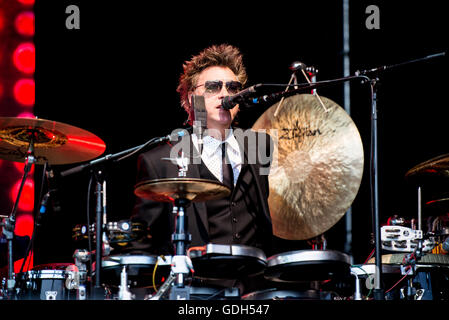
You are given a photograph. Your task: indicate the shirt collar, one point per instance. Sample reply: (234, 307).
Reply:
(211, 145)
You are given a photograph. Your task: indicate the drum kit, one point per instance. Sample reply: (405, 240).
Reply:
(315, 177)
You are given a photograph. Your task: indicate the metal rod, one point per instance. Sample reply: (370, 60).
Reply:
(419, 210)
(347, 107)
(99, 233)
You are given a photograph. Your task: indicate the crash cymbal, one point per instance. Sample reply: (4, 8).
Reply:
(317, 165)
(54, 142)
(193, 189)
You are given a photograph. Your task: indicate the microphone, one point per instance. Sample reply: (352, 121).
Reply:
(445, 245)
(44, 202)
(230, 102)
(53, 189)
(200, 119)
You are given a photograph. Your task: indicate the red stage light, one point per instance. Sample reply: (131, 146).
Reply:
(26, 201)
(24, 225)
(28, 264)
(26, 2)
(24, 57)
(2, 21)
(24, 92)
(24, 23)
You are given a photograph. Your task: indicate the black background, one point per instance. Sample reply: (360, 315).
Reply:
(117, 76)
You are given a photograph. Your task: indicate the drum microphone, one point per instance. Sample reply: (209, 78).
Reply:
(52, 181)
(43, 207)
(445, 245)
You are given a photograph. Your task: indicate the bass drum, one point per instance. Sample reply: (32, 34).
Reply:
(48, 282)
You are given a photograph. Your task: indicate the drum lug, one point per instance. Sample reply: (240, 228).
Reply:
(51, 295)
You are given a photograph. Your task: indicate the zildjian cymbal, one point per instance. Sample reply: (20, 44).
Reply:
(52, 142)
(193, 189)
(317, 165)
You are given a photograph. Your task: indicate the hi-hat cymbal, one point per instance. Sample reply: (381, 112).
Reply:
(193, 189)
(317, 165)
(53, 142)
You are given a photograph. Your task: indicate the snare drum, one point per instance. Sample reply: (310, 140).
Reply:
(307, 266)
(218, 261)
(47, 282)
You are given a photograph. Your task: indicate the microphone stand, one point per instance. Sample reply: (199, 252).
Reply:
(299, 88)
(124, 154)
(378, 290)
(100, 191)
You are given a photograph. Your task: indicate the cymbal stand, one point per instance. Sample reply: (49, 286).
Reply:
(102, 246)
(408, 267)
(420, 239)
(8, 224)
(181, 263)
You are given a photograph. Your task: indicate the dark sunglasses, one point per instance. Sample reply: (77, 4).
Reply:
(215, 87)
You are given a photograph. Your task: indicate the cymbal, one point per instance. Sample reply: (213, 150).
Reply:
(427, 258)
(193, 189)
(317, 165)
(54, 142)
(435, 167)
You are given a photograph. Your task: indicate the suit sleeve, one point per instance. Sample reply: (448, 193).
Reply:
(156, 214)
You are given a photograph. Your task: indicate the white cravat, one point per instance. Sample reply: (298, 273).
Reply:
(211, 155)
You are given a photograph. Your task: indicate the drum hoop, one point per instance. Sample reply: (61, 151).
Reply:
(308, 256)
(230, 250)
(133, 259)
(280, 293)
(47, 274)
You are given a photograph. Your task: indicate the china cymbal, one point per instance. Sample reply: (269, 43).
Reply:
(317, 165)
(53, 142)
(193, 189)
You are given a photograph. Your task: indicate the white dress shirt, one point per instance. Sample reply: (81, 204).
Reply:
(211, 155)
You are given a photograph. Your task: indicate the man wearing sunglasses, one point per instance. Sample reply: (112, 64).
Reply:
(243, 217)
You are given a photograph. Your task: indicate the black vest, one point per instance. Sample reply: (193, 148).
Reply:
(232, 220)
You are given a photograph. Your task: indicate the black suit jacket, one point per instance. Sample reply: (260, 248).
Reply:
(257, 159)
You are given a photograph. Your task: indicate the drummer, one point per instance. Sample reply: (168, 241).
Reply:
(243, 217)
